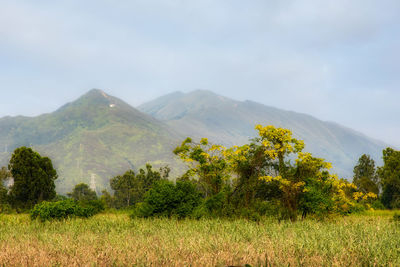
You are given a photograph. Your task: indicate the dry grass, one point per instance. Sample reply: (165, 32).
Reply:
(117, 240)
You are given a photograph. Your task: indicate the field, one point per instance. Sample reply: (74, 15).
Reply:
(113, 239)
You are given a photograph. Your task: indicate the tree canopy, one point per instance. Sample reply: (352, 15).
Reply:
(33, 176)
(365, 176)
(130, 187)
(82, 192)
(389, 174)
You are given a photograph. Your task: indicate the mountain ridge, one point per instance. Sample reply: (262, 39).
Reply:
(95, 134)
(230, 122)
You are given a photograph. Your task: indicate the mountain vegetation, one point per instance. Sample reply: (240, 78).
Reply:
(228, 122)
(91, 140)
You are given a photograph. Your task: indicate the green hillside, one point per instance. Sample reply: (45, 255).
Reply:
(101, 136)
(97, 135)
(204, 114)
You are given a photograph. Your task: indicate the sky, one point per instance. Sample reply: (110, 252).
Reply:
(337, 60)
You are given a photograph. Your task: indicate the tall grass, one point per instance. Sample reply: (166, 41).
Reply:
(115, 239)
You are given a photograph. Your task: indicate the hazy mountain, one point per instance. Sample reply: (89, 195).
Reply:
(97, 135)
(204, 114)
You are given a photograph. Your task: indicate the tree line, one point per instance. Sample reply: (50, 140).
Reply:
(269, 176)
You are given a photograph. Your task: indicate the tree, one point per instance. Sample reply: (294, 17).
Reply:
(306, 184)
(389, 174)
(206, 162)
(124, 188)
(277, 144)
(82, 192)
(130, 187)
(33, 176)
(365, 177)
(248, 163)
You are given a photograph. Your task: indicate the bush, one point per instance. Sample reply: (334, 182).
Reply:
(168, 199)
(6, 209)
(97, 205)
(357, 208)
(377, 205)
(268, 208)
(219, 205)
(396, 217)
(61, 210)
(200, 211)
(249, 214)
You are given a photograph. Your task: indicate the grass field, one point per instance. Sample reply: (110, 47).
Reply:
(115, 239)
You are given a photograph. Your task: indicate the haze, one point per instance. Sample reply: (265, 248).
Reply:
(337, 60)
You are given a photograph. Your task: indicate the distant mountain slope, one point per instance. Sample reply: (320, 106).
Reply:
(204, 114)
(96, 135)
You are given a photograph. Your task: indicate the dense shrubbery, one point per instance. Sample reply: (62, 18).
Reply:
(65, 209)
(270, 176)
(168, 199)
(6, 209)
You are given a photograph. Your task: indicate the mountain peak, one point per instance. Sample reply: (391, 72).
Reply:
(96, 92)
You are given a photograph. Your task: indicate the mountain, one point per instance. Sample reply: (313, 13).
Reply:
(91, 139)
(99, 136)
(225, 121)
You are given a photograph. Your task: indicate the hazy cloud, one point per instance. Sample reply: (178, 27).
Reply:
(335, 59)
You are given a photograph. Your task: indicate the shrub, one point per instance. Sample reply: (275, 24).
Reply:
(61, 210)
(249, 214)
(219, 205)
(6, 209)
(200, 211)
(357, 208)
(97, 205)
(377, 205)
(168, 199)
(268, 208)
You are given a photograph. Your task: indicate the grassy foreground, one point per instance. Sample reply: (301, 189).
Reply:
(115, 239)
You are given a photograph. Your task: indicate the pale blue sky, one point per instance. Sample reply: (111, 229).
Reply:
(338, 60)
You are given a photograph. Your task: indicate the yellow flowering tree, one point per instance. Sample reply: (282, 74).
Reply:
(247, 163)
(277, 144)
(206, 162)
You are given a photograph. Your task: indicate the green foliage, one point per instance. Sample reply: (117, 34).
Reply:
(396, 217)
(82, 192)
(271, 208)
(260, 178)
(365, 177)
(59, 197)
(96, 205)
(168, 199)
(4, 174)
(6, 208)
(220, 205)
(107, 199)
(34, 178)
(248, 214)
(389, 174)
(206, 162)
(46, 211)
(130, 188)
(377, 205)
(64, 209)
(317, 198)
(391, 194)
